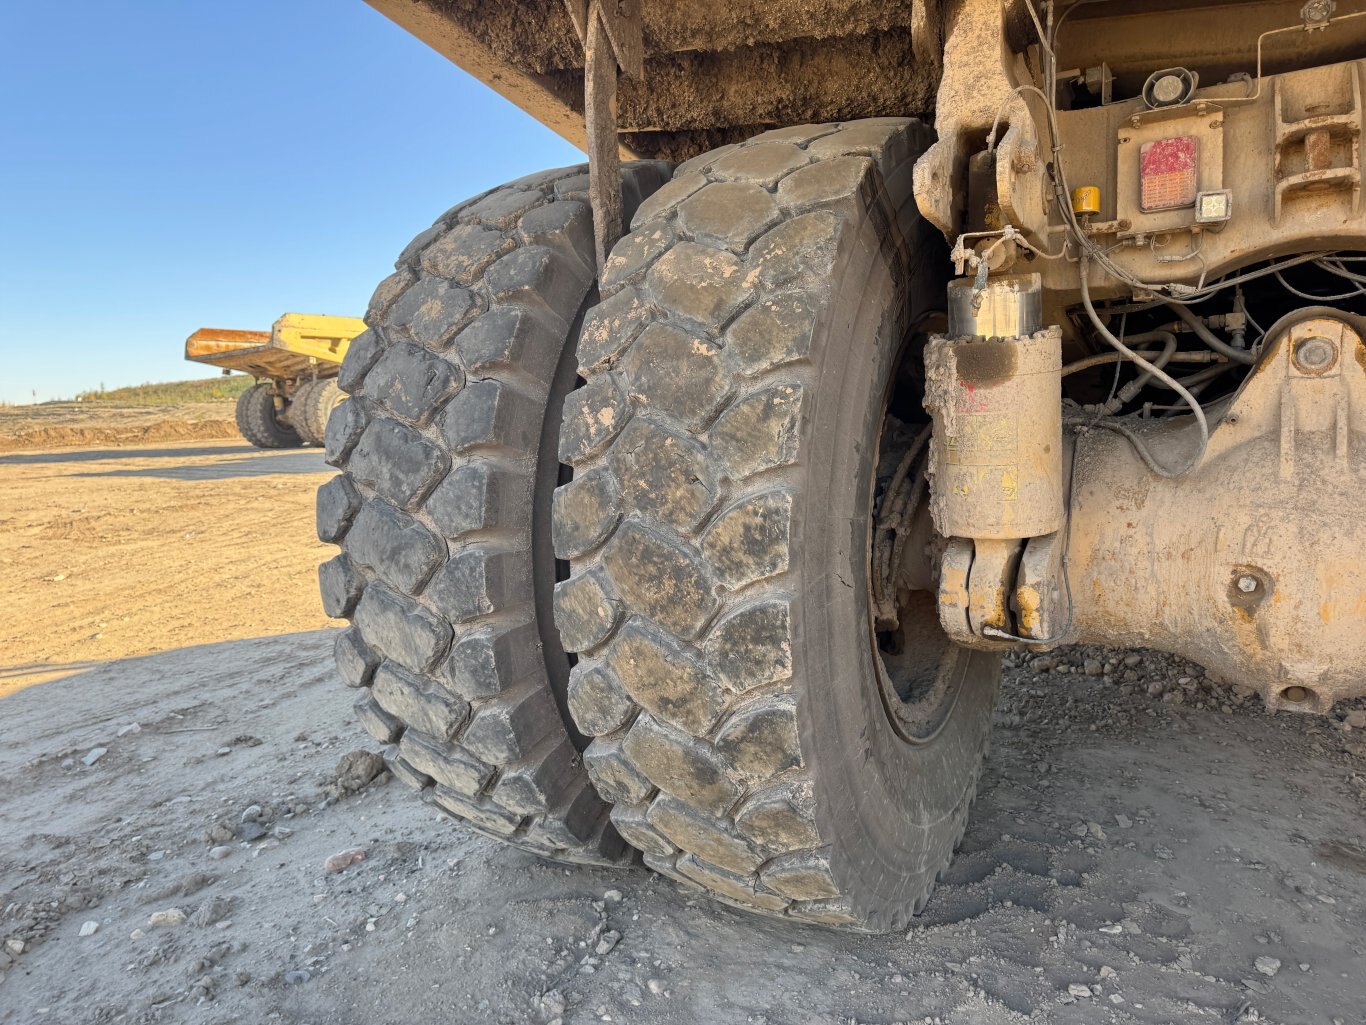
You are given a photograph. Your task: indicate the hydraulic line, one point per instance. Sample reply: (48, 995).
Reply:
(1117, 401)
(1101, 359)
(1209, 337)
(1154, 371)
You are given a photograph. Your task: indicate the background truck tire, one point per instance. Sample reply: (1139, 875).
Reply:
(312, 406)
(724, 449)
(442, 512)
(258, 419)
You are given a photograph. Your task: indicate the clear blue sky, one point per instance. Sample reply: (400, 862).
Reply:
(169, 164)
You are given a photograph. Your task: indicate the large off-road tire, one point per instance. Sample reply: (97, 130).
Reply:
(725, 449)
(258, 418)
(442, 511)
(312, 407)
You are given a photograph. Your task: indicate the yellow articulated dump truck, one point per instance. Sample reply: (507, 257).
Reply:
(691, 499)
(295, 364)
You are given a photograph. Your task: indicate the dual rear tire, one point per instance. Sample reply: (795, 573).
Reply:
(728, 712)
(268, 420)
(261, 418)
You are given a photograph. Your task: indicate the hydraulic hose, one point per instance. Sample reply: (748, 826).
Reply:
(1158, 372)
(1209, 337)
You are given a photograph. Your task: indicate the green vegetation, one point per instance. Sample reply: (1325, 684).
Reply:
(172, 393)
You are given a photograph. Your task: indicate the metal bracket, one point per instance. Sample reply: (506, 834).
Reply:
(612, 37)
(976, 580)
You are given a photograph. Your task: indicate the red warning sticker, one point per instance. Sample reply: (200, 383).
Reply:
(1167, 171)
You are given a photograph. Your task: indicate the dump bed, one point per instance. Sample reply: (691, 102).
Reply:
(298, 345)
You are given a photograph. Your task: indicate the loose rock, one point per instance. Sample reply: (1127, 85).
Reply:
(94, 755)
(169, 917)
(343, 860)
(356, 769)
(608, 941)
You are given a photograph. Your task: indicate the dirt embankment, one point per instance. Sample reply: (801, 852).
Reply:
(71, 424)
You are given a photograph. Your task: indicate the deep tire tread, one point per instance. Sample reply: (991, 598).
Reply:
(703, 313)
(427, 345)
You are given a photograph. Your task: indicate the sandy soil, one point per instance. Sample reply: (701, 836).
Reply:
(58, 424)
(120, 552)
(1147, 847)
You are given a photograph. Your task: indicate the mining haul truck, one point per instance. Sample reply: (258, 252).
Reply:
(690, 499)
(295, 364)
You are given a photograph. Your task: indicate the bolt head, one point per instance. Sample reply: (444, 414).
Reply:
(1315, 354)
(1247, 584)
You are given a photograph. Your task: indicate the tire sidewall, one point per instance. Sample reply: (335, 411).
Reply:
(892, 810)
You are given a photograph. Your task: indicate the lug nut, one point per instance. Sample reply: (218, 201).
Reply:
(1247, 584)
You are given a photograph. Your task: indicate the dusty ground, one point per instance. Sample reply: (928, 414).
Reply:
(58, 424)
(1182, 863)
(108, 553)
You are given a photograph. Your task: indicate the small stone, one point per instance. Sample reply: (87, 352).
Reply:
(90, 928)
(251, 831)
(224, 751)
(1078, 989)
(1133, 660)
(1094, 829)
(252, 813)
(296, 978)
(136, 934)
(654, 986)
(1093, 667)
(1268, 966)
(1106, 972)
(1123, 821)
(551, 1003)
(94, 755)
(613, 895)
(156, 855)
(1356, 718)
(343, 860)
(1112, 930)
(132, 727)
(609, 940)
(169, 917)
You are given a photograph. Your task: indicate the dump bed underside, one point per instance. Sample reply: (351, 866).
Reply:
(715, 70)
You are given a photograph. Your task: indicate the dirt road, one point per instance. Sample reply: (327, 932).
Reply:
(1133, 856)
(116, 552)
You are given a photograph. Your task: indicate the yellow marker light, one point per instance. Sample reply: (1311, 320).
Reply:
(1086, 200)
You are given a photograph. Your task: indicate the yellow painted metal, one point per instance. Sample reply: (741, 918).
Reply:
(298, 346)
(1086, 200)
(996, 452)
